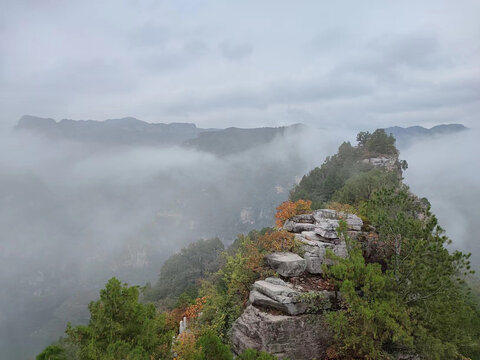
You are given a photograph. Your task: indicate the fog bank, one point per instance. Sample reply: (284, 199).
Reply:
(72, 215)
(446, 170)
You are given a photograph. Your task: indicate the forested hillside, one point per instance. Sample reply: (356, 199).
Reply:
(396, 290)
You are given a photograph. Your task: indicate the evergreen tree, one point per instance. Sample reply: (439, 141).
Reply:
(211, 347)
(420, 302)
(53, 352)
(121, 328)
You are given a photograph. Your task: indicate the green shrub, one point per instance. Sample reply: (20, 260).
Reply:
(52, 352)
(211, 347)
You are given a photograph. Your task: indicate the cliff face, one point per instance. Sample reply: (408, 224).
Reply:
(293, 337)
(280, 318)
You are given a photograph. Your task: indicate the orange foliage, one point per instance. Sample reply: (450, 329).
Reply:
(274, 241)
(174, 317)
(288, 209)
(253, 257)
(280, 240)
(193, 310)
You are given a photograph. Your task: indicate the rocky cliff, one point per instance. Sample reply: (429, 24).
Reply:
(280, 317)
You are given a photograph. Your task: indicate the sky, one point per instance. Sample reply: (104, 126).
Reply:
(346, 64)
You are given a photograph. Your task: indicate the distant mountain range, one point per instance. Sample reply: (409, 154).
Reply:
(124, 131)
(407, 136)
(234, 140)
(131, 131)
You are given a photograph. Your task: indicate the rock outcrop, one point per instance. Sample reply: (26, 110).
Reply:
(318, 232)
(277, 319)
(302, 337)
(286, 264)
(389, 163)
(277, 294)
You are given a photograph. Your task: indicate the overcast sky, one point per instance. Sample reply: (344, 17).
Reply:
(357, 64)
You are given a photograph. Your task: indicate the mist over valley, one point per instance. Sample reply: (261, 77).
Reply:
(77, 211)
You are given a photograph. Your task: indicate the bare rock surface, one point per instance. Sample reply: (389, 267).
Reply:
(286, 263)
(389, 163)
(318, 232)
(277, 294)
(323, 222)
(315, 254)
(294, 334)
(302, 337)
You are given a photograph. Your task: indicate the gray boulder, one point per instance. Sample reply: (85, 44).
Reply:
(323, 222)
(332, 217)
(327, 228)
(353, 222)
(389, 163)
(322, 214)
(276, 293)
(304, 218)
(315, 251)
(286, 264)
(318, 232)
(302, 337)
(297, 227)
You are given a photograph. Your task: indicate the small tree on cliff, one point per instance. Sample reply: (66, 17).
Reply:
(121, 328)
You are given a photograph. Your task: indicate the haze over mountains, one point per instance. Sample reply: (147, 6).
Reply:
(83, 201)
(134, 132)
(409, 135)
(77, 210)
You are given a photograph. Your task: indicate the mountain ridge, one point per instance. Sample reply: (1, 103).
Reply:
(405, 136)
(132, 131)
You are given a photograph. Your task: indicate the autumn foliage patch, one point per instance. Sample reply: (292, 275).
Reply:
(288, 209)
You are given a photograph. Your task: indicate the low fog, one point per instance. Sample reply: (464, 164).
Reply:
(73, 215)
(446, 170)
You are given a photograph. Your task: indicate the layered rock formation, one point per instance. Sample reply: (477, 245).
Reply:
(277, 294)
(277, 319)
(292, 337)
(286, 264)
(389, 163)
(318, 232)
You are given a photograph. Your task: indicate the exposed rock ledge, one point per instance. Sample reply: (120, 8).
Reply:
(302, 337)
(318, 232)
(286, 264)
(277, 294)
(294, 334)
